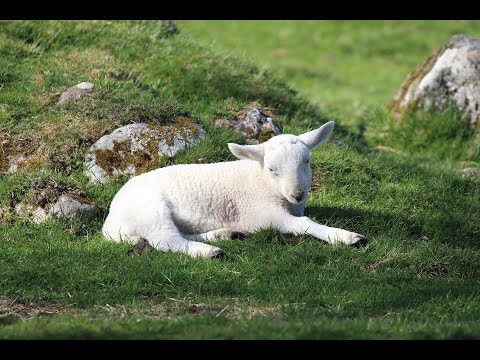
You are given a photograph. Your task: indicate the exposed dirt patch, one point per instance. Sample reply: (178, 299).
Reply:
(46, 99)
(123, 75)
(24, 309)
(385, 260)
(16, 152)
(317, 181)
(171, 309)
(58, 145)
(5, 214)
(177, 307)
(265, 134)
(440, 269)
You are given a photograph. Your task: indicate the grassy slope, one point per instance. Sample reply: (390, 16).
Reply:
(344, 66)
(351, 70)
(418, 277)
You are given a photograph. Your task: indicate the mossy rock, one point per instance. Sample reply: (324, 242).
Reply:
(449, 77)
(136, 148)
(48, 199)
(256, 125)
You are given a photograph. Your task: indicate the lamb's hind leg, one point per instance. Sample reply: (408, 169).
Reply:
(168, 241)
(216, 235)
(165, 236)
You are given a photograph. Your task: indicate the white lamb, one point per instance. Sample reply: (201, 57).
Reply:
(180, 207)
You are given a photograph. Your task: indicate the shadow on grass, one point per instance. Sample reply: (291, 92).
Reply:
(374, 223)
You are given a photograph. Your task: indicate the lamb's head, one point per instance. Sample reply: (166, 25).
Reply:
(285, 160)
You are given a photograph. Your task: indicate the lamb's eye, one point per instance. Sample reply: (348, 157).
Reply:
(307, 161)
(271, 169)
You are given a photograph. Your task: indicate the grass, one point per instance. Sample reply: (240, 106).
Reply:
(343, 67)
(399, 184)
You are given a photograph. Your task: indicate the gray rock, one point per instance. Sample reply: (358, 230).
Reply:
(471, 171)
(34, 213)
(167, 28)
(448, 77)
(75, 93)
(135, 148)
(253, 124)
(67, 207)
(52, 200)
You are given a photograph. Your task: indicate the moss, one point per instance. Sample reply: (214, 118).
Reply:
(265, 134)
(80, 198)
(249, 132)
(181, 127)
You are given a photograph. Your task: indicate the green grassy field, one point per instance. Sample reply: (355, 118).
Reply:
(400, 185)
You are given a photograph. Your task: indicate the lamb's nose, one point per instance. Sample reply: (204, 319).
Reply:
(299, 196)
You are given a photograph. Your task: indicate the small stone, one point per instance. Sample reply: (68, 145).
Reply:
(167, 28)
(253, 124)
(471, 171)
(37, 214)
(75, 93)
(67, 207)
(85, 86)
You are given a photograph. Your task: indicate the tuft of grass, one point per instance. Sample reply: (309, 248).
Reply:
(442, 135)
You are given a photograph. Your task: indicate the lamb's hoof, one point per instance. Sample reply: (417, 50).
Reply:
(217, 254)
(234, 235)
(142, 247)
(359, 241)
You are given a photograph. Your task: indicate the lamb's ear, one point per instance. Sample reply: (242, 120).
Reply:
(315, 137)
(253, 152)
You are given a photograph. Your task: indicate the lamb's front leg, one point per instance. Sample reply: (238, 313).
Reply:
(287, 223)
